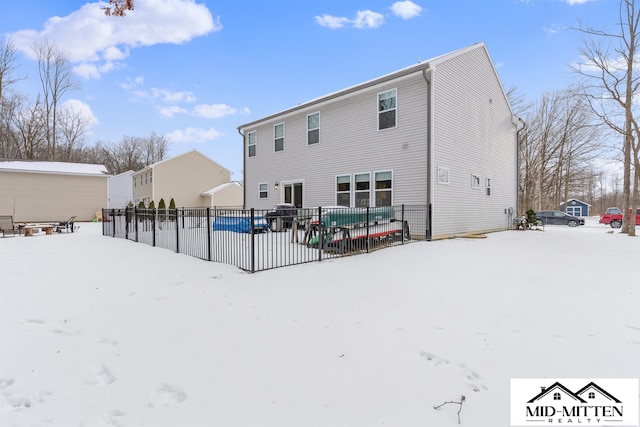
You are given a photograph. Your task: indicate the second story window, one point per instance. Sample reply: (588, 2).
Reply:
(278, 137)
(387, 109)
(313, 128)
(252, 139)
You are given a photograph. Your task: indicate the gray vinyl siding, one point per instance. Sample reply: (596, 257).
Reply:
(349, 143)
(473, 134)
(471, 130)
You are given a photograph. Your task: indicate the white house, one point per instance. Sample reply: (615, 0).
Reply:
(439, 133)
(120, 192)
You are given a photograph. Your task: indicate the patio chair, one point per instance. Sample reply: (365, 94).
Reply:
(7, 226)
(66, 225)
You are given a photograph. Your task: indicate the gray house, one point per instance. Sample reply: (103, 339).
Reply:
(439, 133)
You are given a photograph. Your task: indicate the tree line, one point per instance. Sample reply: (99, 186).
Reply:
(570, 133)
(43, 128)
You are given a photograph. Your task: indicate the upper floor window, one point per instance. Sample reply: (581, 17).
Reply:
(151, 176)
(387, 102)
(252, 138)
(488, 186)
(313, 128)
(278, 137)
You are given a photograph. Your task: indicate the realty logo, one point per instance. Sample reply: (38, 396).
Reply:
(574, 401)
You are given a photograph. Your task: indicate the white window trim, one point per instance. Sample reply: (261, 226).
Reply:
(255, 143)
(356, 191)
(318, 128)
(351, 184)
(261, 191)
(284, 132)
(378, 110)
(375, 190)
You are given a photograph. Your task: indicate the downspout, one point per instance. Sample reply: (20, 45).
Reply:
(518, 122)
(244, 170)
(427, 74)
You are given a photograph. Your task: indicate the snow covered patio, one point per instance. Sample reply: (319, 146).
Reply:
(97, 331)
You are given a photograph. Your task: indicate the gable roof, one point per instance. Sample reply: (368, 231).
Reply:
(62, 168)
(151, 166)
(576, 200)
(415, 68)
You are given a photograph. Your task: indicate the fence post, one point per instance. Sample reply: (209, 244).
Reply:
(320, 233)
(252, 247)
(153, 226)
(178, 230)
(135, 217)
(402, 228)
(368, 233)
(209, 231)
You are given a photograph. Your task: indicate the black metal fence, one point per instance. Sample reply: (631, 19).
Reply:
(256, 240)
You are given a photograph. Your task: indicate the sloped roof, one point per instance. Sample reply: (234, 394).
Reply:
(220, 188)
(63, 168)
(151, 166)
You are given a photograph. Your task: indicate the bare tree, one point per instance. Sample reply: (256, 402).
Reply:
(118, 7)
(56, 79)
(610, 86)
(73, 125)
(29, 131)
(556, 150)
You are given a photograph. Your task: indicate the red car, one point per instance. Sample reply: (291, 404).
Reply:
(613, 217)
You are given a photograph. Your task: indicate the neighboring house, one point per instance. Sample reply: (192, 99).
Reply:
(34, 191)
(229, 195)
(120, 191)
(439, 133)
(576, 207)
(183, 178)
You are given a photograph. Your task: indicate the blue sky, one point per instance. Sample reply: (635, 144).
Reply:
(194, 70)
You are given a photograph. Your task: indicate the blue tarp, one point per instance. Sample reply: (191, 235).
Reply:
(240, 224)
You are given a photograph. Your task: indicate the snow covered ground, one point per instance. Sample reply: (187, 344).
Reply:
(97, 331)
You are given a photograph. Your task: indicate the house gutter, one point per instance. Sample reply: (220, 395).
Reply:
(518, 122)
(427, 75)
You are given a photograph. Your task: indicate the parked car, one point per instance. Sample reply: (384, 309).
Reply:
(286, 211)
(558, 218)
(614, 219)
(609, 214)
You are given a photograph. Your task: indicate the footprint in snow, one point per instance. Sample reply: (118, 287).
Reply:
(470, 375)
(168, 395)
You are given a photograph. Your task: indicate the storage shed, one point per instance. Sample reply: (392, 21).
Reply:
(576, 207)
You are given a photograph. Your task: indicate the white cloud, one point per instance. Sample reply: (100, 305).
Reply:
(406, 9)
(171, 111)
(193, 135)
(572, 2)
(368, 19)
(332, 22)
(78, 107)
(216, 111)
(363, 19)
(96, 41)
